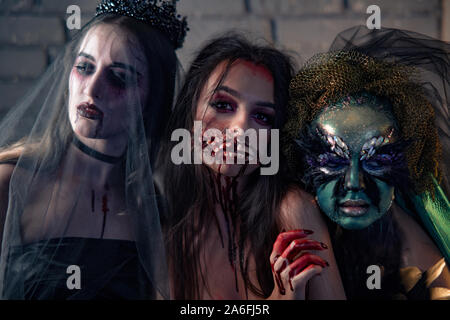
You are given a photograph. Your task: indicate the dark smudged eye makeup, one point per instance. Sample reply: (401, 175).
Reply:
(116, 78)
(332, 162)
(122, 79)
(222, 105)
(85, 68)
(375, 166)
(264, 119)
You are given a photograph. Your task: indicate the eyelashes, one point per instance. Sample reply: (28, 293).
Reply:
(222, 105)
(260, 116)
(387, 158)
(388, 163)
(264, 118)
(378, 165)
(84, 68)
(121, 79)
(330, 163)
(116, 78)
(375, 167)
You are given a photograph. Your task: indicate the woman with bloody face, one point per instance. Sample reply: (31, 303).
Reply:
(365, 130)
(238, 230)
(79, 214)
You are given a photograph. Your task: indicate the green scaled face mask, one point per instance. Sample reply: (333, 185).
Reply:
(359, 156)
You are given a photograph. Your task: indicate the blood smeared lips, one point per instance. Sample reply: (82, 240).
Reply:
(89, 111)
(231, 149)
(354, 208)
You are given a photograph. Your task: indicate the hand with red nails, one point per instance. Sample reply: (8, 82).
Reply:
(293, 265)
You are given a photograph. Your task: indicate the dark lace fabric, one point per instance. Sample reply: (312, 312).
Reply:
(58, 190)
(109, 269)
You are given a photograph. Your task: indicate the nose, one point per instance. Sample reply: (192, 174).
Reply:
(239, 121)
(353, 177)
(94, 86)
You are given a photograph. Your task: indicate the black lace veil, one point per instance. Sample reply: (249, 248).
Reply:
(64, 236)
(429, 56)
(430, 59)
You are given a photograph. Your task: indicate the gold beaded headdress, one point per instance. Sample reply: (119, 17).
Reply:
(328, 77)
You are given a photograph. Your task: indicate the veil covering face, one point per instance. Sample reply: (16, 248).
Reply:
(80, 214)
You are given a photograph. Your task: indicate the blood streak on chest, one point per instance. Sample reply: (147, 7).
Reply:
(93, 201)
(105, 208)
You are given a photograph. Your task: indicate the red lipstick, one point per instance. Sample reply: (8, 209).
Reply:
(89, 111)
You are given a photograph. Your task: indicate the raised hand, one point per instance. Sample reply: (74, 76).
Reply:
(293, 264)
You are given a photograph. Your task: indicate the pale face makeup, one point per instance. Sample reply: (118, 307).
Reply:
(244, 99)
(108, 86)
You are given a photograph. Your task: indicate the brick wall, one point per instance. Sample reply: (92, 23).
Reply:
(33, 31)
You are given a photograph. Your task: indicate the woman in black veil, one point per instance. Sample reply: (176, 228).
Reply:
(368, 134)
(79, 214)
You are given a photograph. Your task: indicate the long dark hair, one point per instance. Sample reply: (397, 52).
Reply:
(187, 188)
(162, 72)
(36, 136)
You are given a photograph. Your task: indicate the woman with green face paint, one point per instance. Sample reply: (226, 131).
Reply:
(364, 137)
(358, 136)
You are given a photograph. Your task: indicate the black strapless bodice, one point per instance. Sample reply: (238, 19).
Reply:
(109, 269)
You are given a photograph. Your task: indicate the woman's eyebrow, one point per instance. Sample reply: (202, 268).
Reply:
(265, 104)
(229, 90)
(239, 96)
(88, 56)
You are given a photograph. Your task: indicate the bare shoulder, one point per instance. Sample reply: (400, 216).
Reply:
(418, 249)
(6, 171)
(299, 210)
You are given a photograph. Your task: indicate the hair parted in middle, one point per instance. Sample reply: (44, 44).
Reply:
(187, 188)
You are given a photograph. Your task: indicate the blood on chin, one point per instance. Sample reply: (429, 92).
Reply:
(87, 130)
(232, 170)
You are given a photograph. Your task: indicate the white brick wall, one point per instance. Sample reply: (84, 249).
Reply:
(18, 63)
(27, 30)
(33, 31)
(203, 28)
(295, 7)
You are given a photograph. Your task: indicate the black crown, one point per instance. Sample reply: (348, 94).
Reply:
(159, 14)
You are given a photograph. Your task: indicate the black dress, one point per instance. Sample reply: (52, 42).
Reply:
(108, 269)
